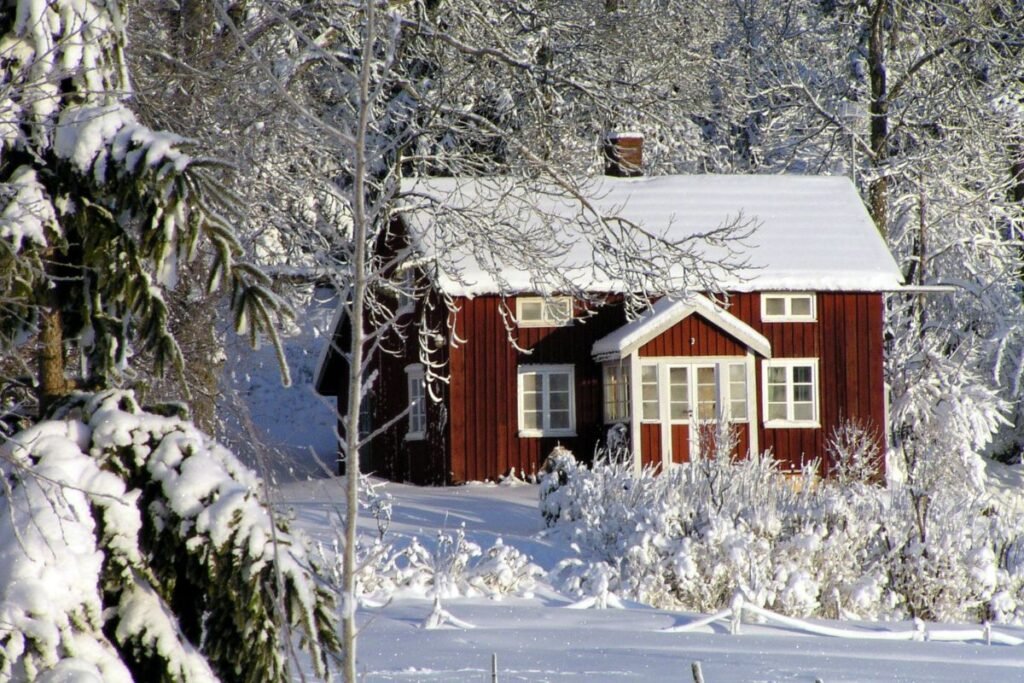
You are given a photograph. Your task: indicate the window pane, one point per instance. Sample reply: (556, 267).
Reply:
(531, 420)
(650, 411)
(560, 419)
(776, 411)
(776, 375)
(776, 394)
(802, 374)
(531, 310)
(649, 392)
(803, 411)
(558, 310)
(802, 393)
(531, 401)
(738, 409)
(775, 305)
(559, 401)
(801, 305)
(737, 372)
(649, 373)
(531, 382)
(558, 382)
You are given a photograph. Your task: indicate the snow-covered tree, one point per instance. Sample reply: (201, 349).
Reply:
(97, 211)
(133, 547)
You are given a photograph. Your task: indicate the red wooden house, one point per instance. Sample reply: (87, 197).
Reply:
(795, 350)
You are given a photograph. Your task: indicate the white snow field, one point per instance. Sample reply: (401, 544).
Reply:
(541, 639)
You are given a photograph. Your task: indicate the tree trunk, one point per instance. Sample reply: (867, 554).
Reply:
(879, 109)
(360, 230)
(53, 385)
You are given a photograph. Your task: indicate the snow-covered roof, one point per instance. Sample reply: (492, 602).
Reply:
(663, 315)
(812, 232)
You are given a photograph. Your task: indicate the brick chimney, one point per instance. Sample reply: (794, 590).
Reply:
(623, 154)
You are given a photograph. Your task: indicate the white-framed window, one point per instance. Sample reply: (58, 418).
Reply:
(616, 392)
(791, 392)
(536, 311)
(650, 405)
(736, 386)
(417, 402)
(705, 389)
(789, 307)
(547, 401)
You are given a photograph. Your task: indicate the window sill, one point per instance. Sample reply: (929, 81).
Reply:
(541, 433)
(783, 319)
(792, 424)
(523, 324)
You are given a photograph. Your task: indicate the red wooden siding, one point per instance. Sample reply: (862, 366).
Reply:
(693, 336)
(483, 408)
(473, 434)
(847, 341)
(650, 444)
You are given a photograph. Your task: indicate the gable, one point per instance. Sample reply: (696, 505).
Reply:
(665, 314)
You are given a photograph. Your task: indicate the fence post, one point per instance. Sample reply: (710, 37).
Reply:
(494, 668)
(698, 675)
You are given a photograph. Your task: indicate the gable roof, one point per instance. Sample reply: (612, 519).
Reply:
(663, 315)
(813, 232)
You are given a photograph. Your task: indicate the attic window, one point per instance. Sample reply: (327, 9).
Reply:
(789, 308)
(535, 311)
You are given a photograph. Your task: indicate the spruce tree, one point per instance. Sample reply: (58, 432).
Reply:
(97, 211)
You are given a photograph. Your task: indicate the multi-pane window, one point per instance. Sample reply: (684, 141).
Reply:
(616, 392)
(546, 400)
(679, 393)
(649, 403)
(702, 391)
(791, 392)
(707, 392)
(417, 402)
(540, 312)
(737, 392)
(789, 307)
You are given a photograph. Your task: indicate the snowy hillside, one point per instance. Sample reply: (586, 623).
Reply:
(294, 428)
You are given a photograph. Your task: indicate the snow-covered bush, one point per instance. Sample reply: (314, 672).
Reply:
(701, 533)
(451, 567)
(134, 547)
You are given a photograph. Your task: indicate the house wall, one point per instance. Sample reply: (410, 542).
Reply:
(846, 338)
(473, 432)
(848, 341)
(483, 408)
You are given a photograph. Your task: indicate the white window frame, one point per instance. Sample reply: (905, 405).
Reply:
(615, 409)
(548, 316)
(788, 316)
(790, 422)
(545, 372)
(416, 387)
(723, 388)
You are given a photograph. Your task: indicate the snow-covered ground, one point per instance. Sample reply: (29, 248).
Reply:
(542, 639)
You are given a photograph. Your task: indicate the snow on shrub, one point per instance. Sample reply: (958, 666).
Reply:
(134, 547)
(450, 567)
(701, 533)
